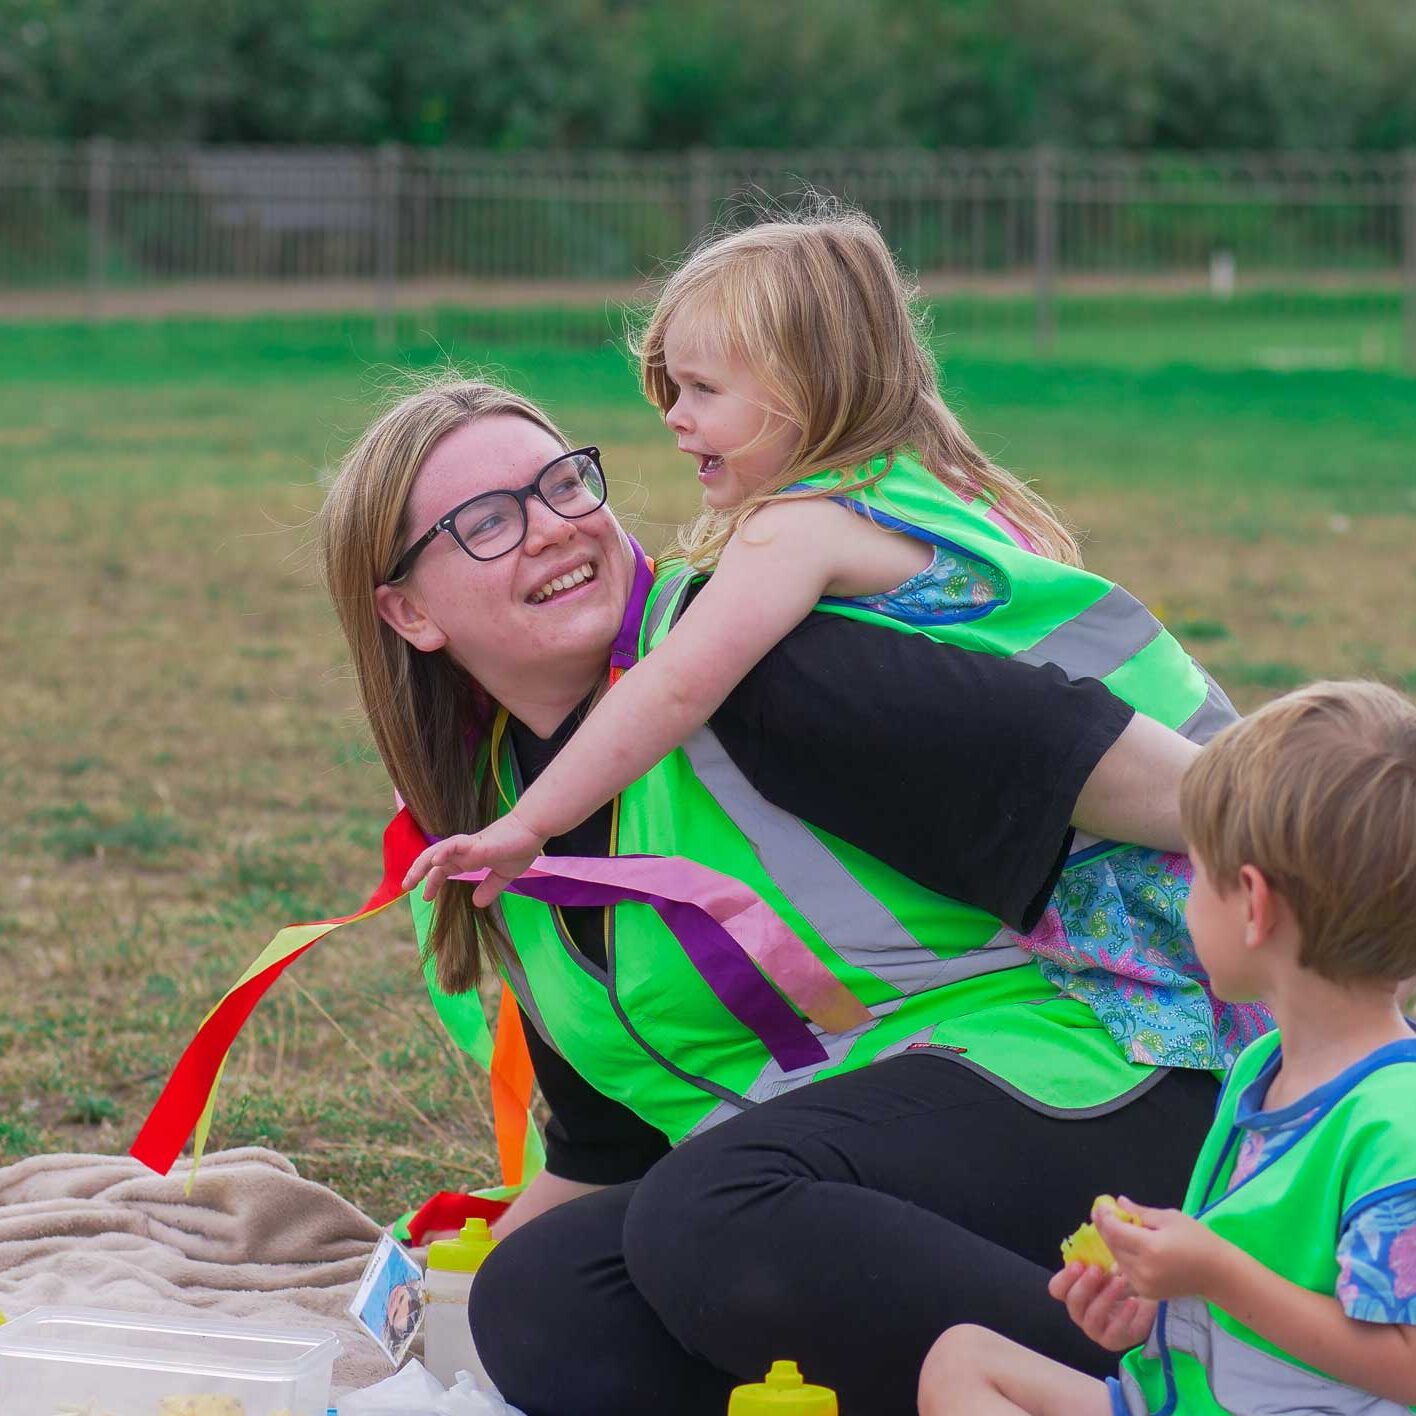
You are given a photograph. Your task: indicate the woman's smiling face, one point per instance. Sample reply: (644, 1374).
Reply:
(516, 622)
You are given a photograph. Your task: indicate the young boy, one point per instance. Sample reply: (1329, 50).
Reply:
(1288, 1282)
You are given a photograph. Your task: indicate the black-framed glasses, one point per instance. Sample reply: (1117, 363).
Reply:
(493, 524)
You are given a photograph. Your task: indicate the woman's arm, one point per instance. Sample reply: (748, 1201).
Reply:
(592, 1141)
(770, 575)
(544, 1193)
(1133, 793)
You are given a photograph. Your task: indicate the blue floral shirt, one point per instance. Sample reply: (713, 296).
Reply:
(952, 587)
(1376, 1249)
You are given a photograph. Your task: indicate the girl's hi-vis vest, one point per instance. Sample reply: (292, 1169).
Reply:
(1051, 614)
(931, 972)
(1288, 1214)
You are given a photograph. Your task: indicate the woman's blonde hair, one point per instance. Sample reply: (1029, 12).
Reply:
(817, 310)
(424, 709)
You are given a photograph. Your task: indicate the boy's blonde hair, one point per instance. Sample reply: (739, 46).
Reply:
(816, 309)
(1318, 791)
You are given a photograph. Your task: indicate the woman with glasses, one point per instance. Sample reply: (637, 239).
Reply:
(874, 1128)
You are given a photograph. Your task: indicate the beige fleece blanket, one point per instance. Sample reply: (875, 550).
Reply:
(253, 1241)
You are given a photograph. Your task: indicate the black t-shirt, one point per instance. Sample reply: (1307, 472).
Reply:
(959, 769)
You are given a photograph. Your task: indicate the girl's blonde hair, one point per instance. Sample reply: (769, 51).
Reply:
(424, 709)
(816, 309)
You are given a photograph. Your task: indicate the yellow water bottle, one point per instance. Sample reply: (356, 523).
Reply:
(783, 1392)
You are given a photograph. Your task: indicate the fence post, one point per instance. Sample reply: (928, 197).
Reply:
(700, 193)
(100, 187)
(387, 185)
(1044, 246)
(1408, 251)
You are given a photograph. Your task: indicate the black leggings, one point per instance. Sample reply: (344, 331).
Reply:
(844, 1225)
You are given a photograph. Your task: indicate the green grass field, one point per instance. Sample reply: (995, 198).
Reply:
(183, 768)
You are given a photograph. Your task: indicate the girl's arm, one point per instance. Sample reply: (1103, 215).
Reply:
(771, 573)
(1175, 1256)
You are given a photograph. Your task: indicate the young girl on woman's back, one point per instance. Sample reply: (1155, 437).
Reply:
(786, 361)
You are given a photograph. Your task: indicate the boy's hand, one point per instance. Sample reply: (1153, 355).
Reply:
(507, 848)
(1169, 1255)
(1103, 1306)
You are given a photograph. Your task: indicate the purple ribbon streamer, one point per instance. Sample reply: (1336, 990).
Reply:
(735, 980)
(717, 956)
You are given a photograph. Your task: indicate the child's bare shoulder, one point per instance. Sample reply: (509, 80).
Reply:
(794, 516)
(848, 553)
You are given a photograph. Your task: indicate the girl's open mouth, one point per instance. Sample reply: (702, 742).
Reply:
(708, 466)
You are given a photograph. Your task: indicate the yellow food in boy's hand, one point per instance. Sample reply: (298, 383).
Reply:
(1087, 1246)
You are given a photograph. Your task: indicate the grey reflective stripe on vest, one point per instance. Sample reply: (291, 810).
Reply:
(1214, 713)
(772, 1081)
(1083, 841)
(669, 596)
(1134, 1397)
(1098, 641)
(856, 926)
(1246, 1381)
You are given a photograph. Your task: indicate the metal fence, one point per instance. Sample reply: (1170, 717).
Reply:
(107, 217)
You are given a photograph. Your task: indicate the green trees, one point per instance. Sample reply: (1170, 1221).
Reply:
(738, 73)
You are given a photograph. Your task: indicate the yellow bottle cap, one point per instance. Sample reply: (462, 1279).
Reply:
(465, 1254)
(782, 1392)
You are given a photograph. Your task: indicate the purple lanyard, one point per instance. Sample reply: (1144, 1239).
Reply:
(625, 653)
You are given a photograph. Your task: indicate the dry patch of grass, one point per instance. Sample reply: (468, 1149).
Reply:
(1267, 603)
(183, 772)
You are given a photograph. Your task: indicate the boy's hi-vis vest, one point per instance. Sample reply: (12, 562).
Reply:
(649, 1031)
(1360, 1145)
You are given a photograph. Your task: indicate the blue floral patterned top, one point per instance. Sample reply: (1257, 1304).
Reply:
(951, 587)
(1114, 935)
(1377, 1246)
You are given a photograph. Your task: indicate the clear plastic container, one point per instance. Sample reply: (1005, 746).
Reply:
(61, 1360)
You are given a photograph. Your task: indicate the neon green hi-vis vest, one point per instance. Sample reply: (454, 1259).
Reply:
(1288, 1214)
(1051, 613)
(650, 1032)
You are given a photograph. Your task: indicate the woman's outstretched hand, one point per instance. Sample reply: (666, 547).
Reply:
(1104, 1306)
(507, 849)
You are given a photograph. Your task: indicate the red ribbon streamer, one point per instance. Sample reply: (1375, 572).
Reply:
(175, 1115)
